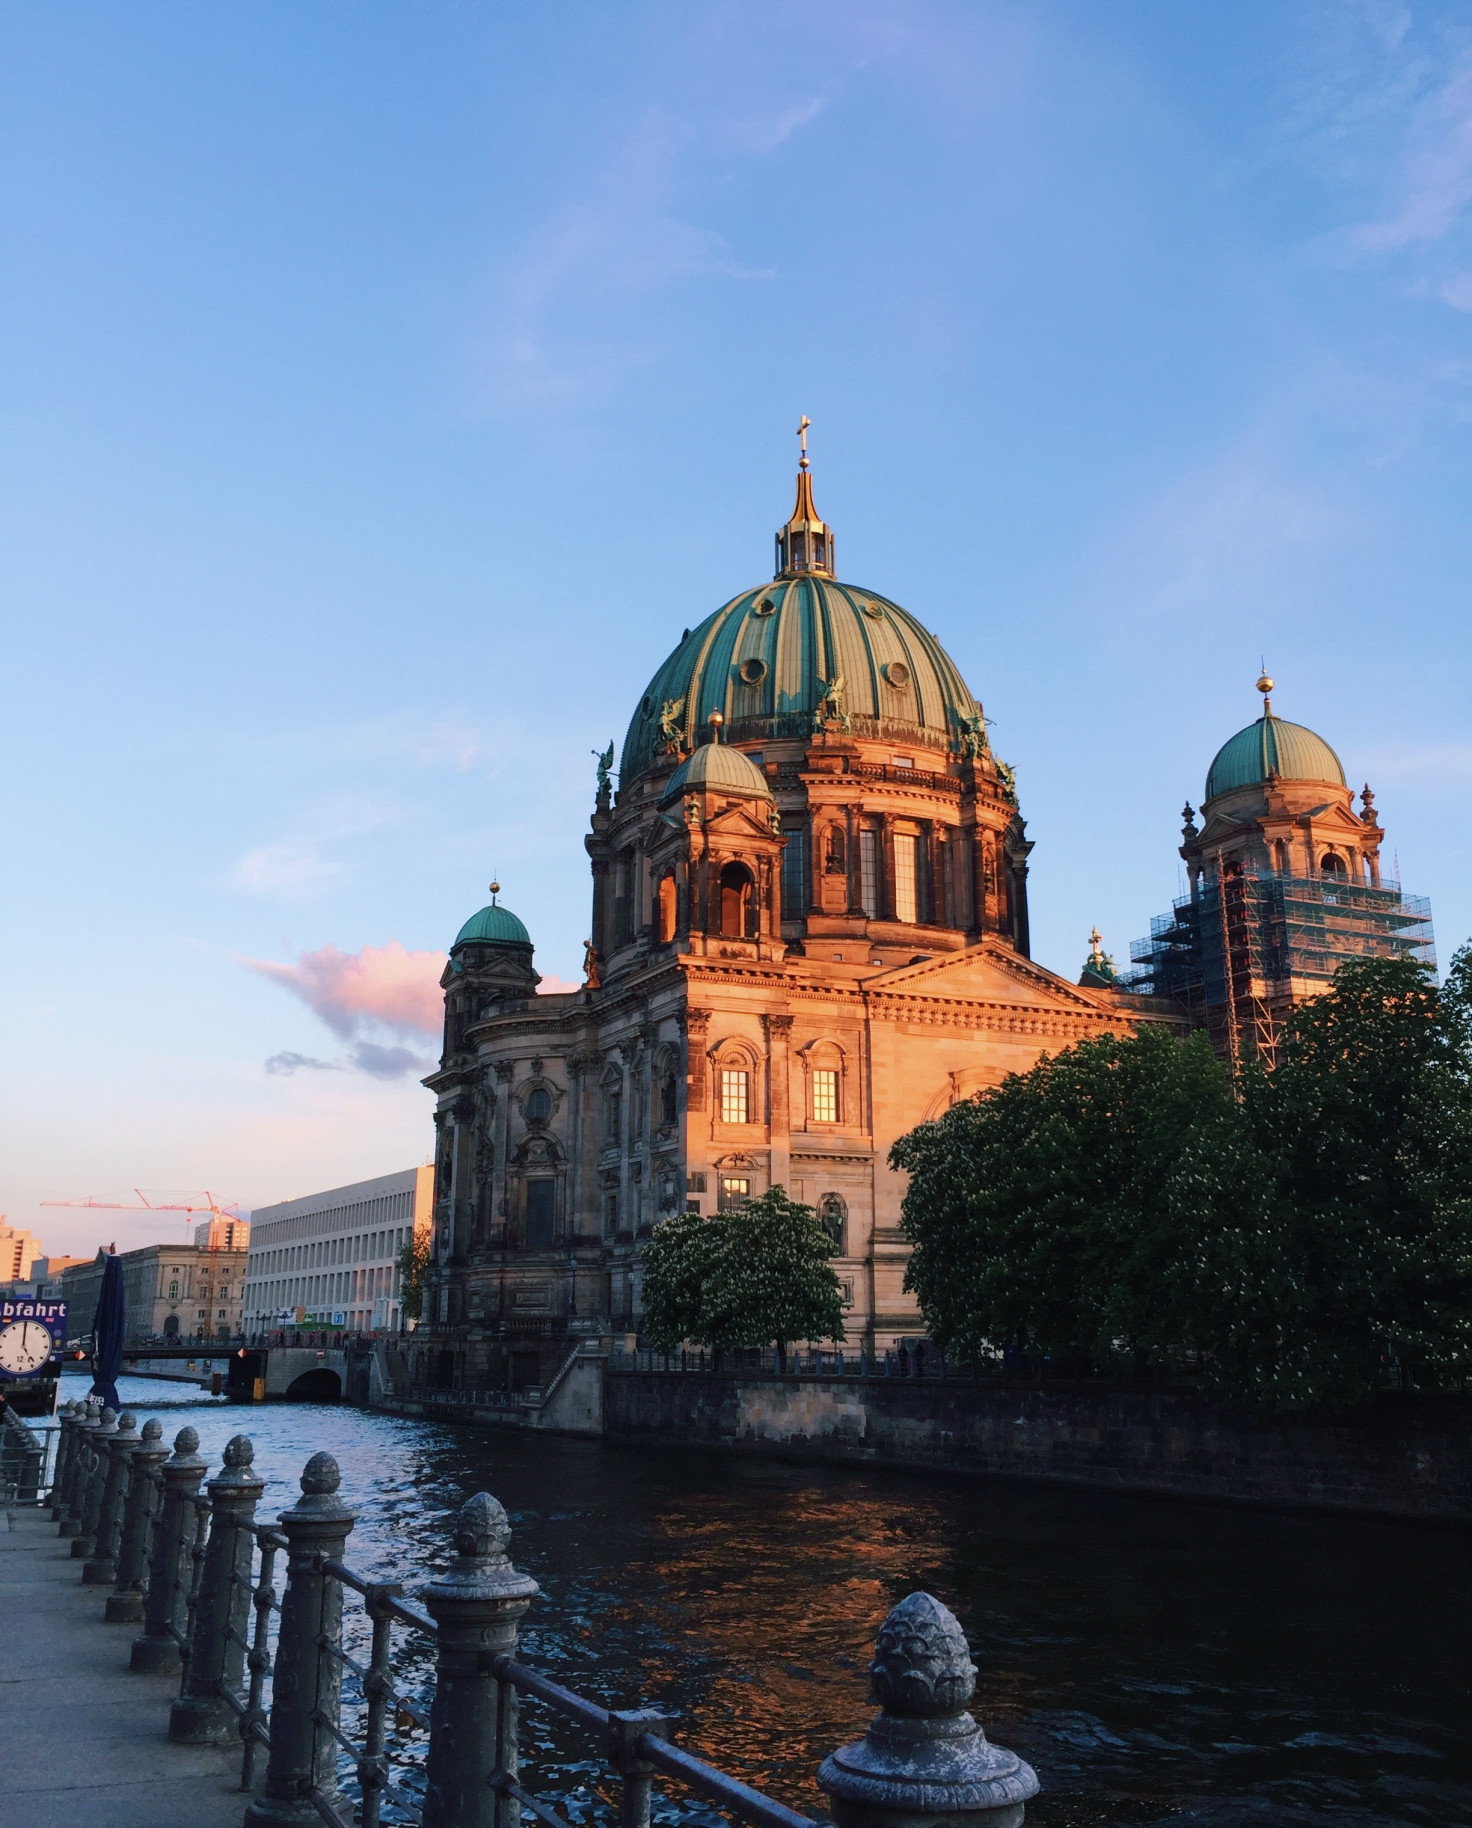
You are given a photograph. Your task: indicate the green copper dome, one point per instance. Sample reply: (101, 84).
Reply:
(1296, 754)
(771, 657)
(493, 926)
(717, 768)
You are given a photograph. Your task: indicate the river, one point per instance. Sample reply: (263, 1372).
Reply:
(1155, 1661)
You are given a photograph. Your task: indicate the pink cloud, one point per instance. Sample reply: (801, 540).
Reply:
(388, 985)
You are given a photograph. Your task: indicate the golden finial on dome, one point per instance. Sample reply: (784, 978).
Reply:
(495, 891)
(805, 544)
(716, 721)
(1265, 686)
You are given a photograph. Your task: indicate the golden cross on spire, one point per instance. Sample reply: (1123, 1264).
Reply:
(802, 431)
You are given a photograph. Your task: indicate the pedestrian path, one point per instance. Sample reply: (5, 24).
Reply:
(83, 1741)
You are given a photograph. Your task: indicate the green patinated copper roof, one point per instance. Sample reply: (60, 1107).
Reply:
(493, 926)
(1271, 743)
(720, 768)
(766, 659)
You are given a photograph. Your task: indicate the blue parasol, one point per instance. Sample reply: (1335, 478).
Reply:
(107, 1333)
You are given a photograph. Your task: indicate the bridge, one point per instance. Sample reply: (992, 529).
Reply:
(300, 1374)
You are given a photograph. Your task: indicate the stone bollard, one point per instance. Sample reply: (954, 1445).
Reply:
(202, 1715)
(81, 1452)
(67, 1422)
(125, 1602)
(924, 1762)
(477, 1604)
(102, 1565)
(307, 1680)
(94, 1480)
(155, 1652)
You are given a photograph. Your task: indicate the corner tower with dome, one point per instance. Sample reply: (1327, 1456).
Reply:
(808, 933)
(1285, 885)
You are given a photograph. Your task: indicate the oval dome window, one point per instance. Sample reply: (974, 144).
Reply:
(897, 673)
(753, 671)
(538, 1105)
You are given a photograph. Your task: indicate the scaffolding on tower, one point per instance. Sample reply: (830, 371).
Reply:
(1238, 952)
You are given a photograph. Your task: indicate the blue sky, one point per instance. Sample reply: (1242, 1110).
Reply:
(384, 387)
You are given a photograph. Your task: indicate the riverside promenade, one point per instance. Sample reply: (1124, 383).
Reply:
(86, 1740)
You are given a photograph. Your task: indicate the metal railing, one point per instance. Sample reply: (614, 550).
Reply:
(326, 1697)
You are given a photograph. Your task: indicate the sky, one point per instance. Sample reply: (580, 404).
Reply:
(384, 387)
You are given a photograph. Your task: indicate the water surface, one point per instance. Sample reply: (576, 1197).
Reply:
(1155, 1661)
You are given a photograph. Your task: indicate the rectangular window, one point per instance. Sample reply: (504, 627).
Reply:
(869, 871)
(795, 873)
(904, 876)
(735, 1192)
(825, 1095)
(613, 1111)
(610, 1215)
(902, 761)
(733, 1095)
(541, 1205)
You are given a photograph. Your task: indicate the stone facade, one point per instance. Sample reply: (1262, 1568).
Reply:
(805, 940)
(170, 1291)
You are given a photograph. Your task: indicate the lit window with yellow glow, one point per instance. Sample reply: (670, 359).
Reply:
(825, 1095)
(733, 1095)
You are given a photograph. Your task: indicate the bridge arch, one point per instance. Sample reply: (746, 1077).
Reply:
(319, 1385)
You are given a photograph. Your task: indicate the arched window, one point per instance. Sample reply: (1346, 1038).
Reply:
(835, 852)
(667, 898)
(538, 1104)
(613, 1111)
(1333, 864)
(738, 903)
(1280, 857)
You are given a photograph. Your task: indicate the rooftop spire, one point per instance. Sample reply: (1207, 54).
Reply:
(1265, 686)
(805, 544)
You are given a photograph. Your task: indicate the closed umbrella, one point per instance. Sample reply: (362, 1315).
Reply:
(107, 1333)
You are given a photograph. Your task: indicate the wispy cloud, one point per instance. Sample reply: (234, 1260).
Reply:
(385, 985)
(285, 1064)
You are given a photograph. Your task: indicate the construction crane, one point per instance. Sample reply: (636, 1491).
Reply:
(230, 1210)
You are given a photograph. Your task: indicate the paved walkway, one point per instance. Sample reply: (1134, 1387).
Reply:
(83, 1741)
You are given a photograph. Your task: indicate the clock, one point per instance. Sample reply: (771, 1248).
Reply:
(25, 1345)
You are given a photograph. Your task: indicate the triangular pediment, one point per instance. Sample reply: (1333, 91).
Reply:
(740, 821)
(992, 972)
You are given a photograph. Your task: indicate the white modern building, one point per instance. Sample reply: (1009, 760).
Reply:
(331, 1260)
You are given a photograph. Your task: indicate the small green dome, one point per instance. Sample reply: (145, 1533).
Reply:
(717, 768)
(493, 926)
(1272, 744)
(769, 658)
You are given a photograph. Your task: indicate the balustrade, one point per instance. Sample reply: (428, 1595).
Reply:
(273, 1669)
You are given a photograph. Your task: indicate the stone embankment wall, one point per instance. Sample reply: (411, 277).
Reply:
(1402, 1456)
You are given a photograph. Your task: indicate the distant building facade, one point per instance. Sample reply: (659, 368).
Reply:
(18, 1253)
(331, 1260)
(170, 1291)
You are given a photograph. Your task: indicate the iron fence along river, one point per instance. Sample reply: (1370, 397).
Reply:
(1155, 1661)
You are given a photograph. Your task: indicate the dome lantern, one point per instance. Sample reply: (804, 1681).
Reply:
(805, 544)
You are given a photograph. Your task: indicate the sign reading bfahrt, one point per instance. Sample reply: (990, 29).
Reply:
(32, 1333)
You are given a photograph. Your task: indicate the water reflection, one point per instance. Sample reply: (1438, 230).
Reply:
(1156, 1662)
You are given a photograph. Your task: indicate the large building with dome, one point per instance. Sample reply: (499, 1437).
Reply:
(808, 934)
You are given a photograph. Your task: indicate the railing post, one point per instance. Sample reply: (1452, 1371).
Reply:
(477, 1604)
(89, 1413)
(625, 1730)
(924, 1762)
(66, 1440)
(202, 1715)
(307, 1680)
(125, 1602)
(94, 1481)
(101, 1566)
(155, 1651)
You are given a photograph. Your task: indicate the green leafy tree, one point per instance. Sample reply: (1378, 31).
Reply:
(1041, 1215)
(1119, 1197)
(413, 1261)
(754, 1277)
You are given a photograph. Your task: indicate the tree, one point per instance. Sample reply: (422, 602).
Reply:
(753, 1277)
(1040, 1214)
(1286, 1234)
(413, 1262)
